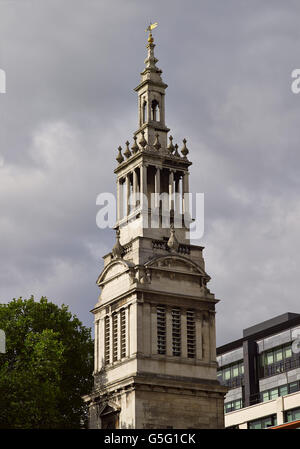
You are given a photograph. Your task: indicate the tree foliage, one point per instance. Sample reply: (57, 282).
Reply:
(47, 367)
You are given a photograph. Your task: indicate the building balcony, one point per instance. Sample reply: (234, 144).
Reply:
(234, 382)
(279, 367)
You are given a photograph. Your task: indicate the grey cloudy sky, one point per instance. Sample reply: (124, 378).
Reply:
(71, 67)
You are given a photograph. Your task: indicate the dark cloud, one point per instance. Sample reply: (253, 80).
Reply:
(71, 67)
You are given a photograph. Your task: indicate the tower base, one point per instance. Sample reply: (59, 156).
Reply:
(158, 402)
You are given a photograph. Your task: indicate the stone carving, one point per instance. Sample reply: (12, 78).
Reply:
(173, 243)
(176, 154)
(120, 157)
(127, 152)
(143, 141)
(171, 147)
(157, 144)
(118, 249)
(184, 149)
(132, 275)
(135, 147)
(145, 276)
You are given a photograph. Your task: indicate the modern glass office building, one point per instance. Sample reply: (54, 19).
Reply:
(262, 372)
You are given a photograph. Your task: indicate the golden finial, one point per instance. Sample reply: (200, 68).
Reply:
(150, 28)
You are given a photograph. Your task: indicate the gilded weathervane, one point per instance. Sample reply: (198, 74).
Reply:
(150, 28)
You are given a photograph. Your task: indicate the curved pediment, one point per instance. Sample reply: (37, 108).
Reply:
(176, 263)
(114, 268)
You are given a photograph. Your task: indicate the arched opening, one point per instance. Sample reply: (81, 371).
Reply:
(144, 111)
(109, 416)
(110, 419)
(155, 113)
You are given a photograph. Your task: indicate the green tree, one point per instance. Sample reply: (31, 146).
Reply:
(47, 367)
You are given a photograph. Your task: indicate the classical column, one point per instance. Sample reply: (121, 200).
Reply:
(212, 336)
(135, 187)
(119, 200)
(205, 337)
(101, 344)
(143, 184)
(185, 190)
(146, 313)
(162, 109)
(198, 336)
(127, 194)
(127, 327)
(139, 328)
(153, 330)
(133, 329)
(157, 186)
(177, 194)
(171, 189)
(96, 347)
(149, 117)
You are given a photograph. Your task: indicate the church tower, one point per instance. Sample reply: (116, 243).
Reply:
(155, 348)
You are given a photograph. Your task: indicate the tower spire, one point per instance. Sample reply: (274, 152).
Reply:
(154, 319)
(151, 97)
(150, 61)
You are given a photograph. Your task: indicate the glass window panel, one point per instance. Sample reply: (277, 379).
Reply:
(267, 422)
(227, 374)
(265, 396)
(288, 352)
(278, 355)
(228, 407)
(274, 393)
(283, 390)
(237, 404)
(288, 416)
(293, 387)
(241, 368)
(269, 358)
(235, 371)
(255, 425)
(270, 421)
(296, 415)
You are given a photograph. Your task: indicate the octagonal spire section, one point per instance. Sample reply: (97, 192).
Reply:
(151, 100)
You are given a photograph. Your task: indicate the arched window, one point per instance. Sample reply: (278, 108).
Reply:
(144, 112)
(155, 115)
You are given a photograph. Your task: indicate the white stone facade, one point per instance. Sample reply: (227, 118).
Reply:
(155, 345)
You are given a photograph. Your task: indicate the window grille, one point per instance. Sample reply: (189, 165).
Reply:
(107, 339)
(176, 332)
(123, 334)
(115, 337)
(191, 334)
(161, 330)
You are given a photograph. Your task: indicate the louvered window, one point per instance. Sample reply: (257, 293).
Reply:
(191, 334)
(115, 337)
(123, 334)
(176, 332)
(161, 330)
(107, 339)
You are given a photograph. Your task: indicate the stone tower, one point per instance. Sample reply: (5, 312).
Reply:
(155, 348)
